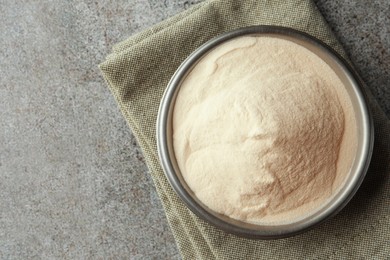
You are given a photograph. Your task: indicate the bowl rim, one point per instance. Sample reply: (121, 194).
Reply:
(237, 227)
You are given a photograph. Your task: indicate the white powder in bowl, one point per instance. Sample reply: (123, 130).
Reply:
(263, 130)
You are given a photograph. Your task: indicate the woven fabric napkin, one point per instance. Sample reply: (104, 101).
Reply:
(137, 73)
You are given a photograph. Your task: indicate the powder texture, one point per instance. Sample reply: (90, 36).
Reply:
(257, 130)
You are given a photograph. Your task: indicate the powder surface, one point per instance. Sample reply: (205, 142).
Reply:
(263, 130)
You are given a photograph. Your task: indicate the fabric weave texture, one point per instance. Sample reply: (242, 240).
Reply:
(137, 73)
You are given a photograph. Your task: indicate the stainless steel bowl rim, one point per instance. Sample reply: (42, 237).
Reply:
(237, 227)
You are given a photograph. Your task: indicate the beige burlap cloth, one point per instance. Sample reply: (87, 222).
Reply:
(137, 73)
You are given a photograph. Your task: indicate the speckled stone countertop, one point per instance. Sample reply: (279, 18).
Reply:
(73, 182)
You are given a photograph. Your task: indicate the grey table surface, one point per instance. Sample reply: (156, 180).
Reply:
(73, 181)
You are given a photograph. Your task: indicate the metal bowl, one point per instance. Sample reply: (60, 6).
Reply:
(364, 133)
